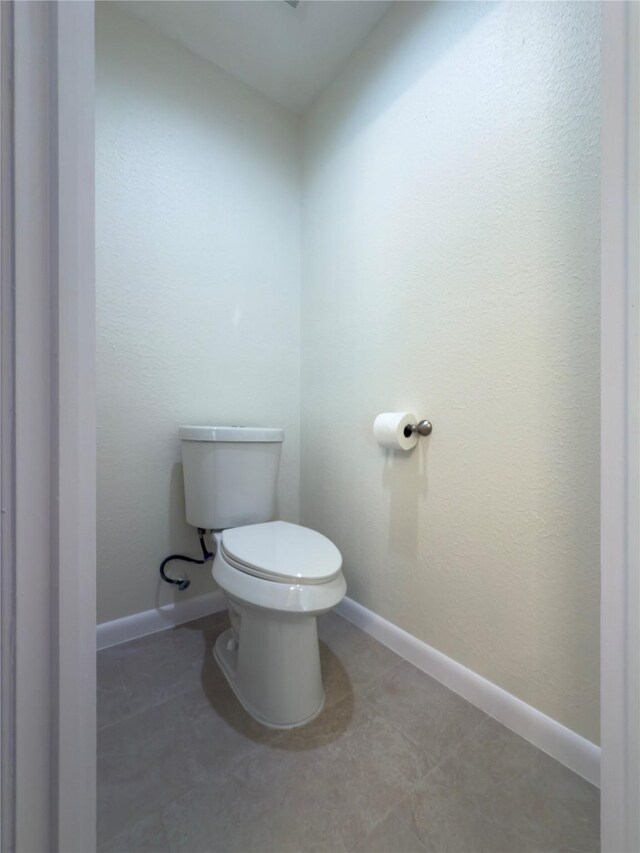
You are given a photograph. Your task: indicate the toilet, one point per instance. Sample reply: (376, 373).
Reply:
(277, 577)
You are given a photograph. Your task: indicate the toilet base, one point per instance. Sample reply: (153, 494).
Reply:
(225, 659)
(272, 664)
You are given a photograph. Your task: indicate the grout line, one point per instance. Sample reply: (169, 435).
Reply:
(392, 814)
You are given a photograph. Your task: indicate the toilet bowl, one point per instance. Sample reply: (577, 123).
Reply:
(277, 577)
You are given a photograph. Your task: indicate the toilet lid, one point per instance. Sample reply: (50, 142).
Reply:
(282, 551)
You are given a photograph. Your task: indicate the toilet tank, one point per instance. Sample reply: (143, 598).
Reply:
(230, 474)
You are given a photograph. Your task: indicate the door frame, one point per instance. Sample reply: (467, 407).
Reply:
(47, 360)
(620, 430)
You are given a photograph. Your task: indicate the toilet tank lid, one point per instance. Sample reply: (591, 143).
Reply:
(230, 433)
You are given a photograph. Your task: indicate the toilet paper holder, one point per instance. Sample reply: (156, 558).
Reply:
(422, 428)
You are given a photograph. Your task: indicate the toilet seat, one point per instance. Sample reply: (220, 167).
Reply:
(281, 552)
(270, 579)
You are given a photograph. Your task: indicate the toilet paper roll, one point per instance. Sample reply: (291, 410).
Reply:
(389, 427)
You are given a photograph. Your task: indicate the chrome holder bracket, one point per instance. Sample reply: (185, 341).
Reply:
(422, 428)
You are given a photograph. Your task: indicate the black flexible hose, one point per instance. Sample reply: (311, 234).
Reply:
(183, 583)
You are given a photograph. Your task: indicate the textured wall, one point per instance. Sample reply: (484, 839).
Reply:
(451, 267)
(198, 274)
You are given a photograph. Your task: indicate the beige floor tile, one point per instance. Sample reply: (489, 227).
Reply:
(395, 762)
(164, 665)
(220, 733)
(141, 766)
(391, 836)
(146, 835)
(112, 700)
(497, 793)
(363, 658)
(323, 798)
(157, 754)
(556, 807)
(429, 714)
(263, 807)
(373, 770)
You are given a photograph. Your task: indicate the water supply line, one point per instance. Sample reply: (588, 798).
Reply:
(184, 583)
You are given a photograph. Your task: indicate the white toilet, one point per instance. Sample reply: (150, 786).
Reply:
(276, 576)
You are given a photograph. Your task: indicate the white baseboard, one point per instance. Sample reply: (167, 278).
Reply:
(151, 621)
(567, 747)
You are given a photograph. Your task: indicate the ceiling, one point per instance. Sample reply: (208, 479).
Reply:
(288, 54)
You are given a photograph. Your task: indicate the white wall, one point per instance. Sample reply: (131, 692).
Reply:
(451, 267)
(450, 260)
(198, 274)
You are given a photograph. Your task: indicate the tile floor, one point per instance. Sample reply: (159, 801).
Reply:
(395, 763)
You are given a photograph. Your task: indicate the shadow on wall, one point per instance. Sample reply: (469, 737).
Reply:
(409, 40)
(183, 539)
(404, 476)
(178, 526)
